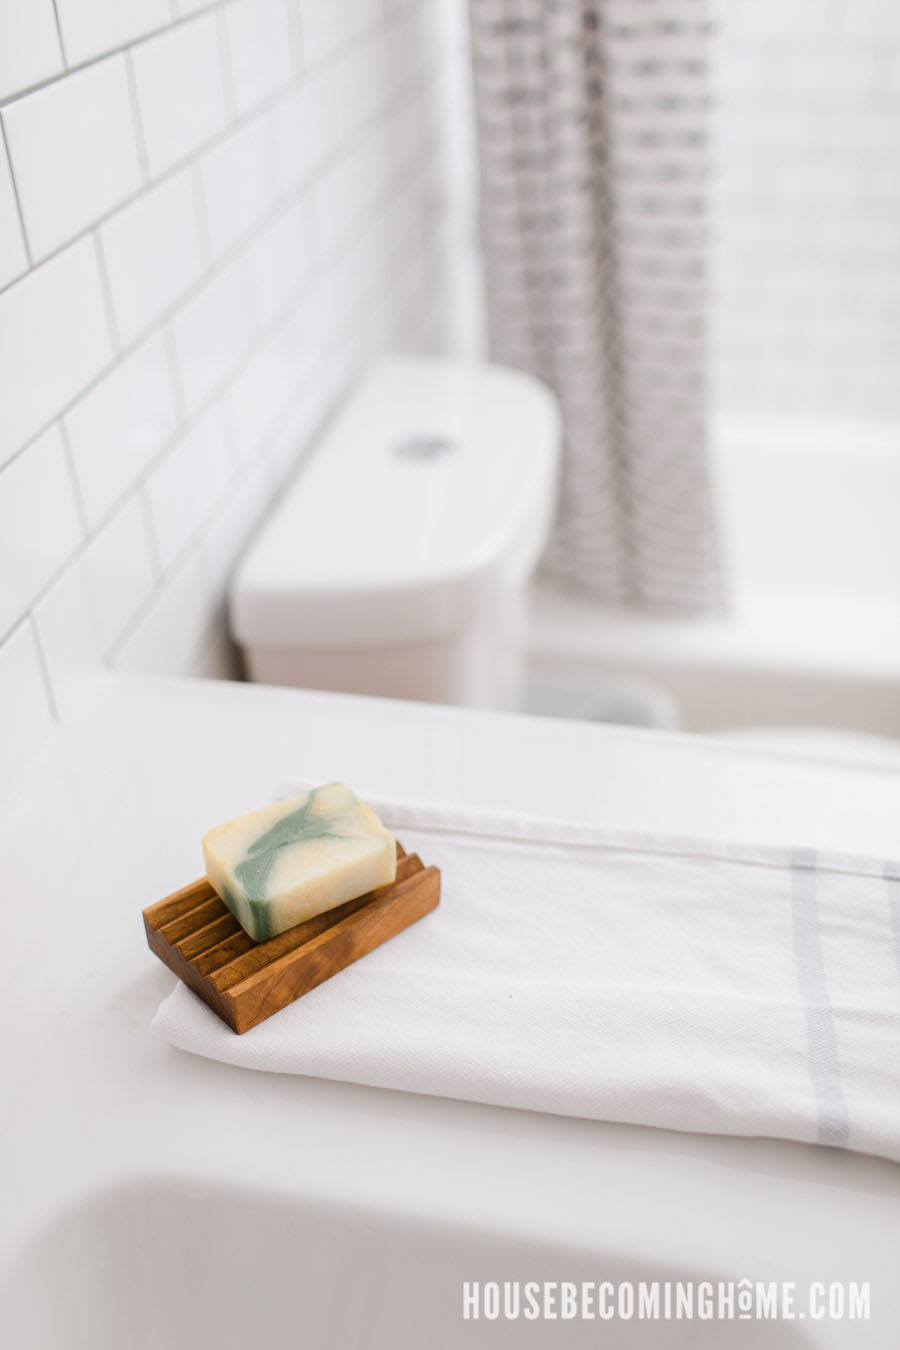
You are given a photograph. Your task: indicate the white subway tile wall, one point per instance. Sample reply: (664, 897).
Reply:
(91, 27)
(210, 215)
(40, 526)
(29, 44)
(55, 339)
(181, 81)
(13, 258)
(25, 692)
(153, 252)
(121, 572)
(66, 633)
(74, 152)
(117, 430)
(262, 52)
(806, 245)
(177, 509)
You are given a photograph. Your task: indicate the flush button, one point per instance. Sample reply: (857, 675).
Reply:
(425, 447)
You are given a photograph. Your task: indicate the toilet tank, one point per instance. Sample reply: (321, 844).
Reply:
(410, 527)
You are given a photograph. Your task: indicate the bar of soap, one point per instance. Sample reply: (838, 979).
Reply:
(285, 863)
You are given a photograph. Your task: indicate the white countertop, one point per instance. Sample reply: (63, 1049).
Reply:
(108, 819)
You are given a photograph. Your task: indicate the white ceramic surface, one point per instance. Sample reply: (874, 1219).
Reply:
(152, 1199)
(428, 498)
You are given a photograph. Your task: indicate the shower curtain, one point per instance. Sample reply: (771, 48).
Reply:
(593, 144)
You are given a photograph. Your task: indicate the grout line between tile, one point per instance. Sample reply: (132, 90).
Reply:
(228, 85)
(201, 214)
(175, 380)
(106, 291)
(19, 212)
(62, 45)
(137, 119)
(45, 670)
(150, 534)
(295, 29)
(73, 475)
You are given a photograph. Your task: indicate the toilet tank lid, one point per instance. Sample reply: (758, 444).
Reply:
(431, 488)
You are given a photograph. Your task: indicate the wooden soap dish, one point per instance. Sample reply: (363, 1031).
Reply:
(243, 981)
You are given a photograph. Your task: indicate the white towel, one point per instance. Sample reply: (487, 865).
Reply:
(679, 983)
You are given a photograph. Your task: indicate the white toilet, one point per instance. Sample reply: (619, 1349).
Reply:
(395, 560)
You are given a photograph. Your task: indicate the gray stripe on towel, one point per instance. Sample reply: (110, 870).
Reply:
(834, 1125)
(892, 877)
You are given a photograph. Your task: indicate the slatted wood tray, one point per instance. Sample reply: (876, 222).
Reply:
(243, 981)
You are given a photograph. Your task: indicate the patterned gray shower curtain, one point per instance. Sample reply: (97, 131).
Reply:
(593, 143)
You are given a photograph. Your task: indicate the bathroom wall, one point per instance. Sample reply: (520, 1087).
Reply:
(210, 215)
(806, 255)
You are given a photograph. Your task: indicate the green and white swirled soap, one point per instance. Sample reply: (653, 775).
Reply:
(285, 863)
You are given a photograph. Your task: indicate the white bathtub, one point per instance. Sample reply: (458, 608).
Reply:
(813, 559)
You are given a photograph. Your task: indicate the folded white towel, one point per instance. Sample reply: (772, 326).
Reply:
(668, 982)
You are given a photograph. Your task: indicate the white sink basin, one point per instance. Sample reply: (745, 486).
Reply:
(155, 1199)
(177, 1265)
